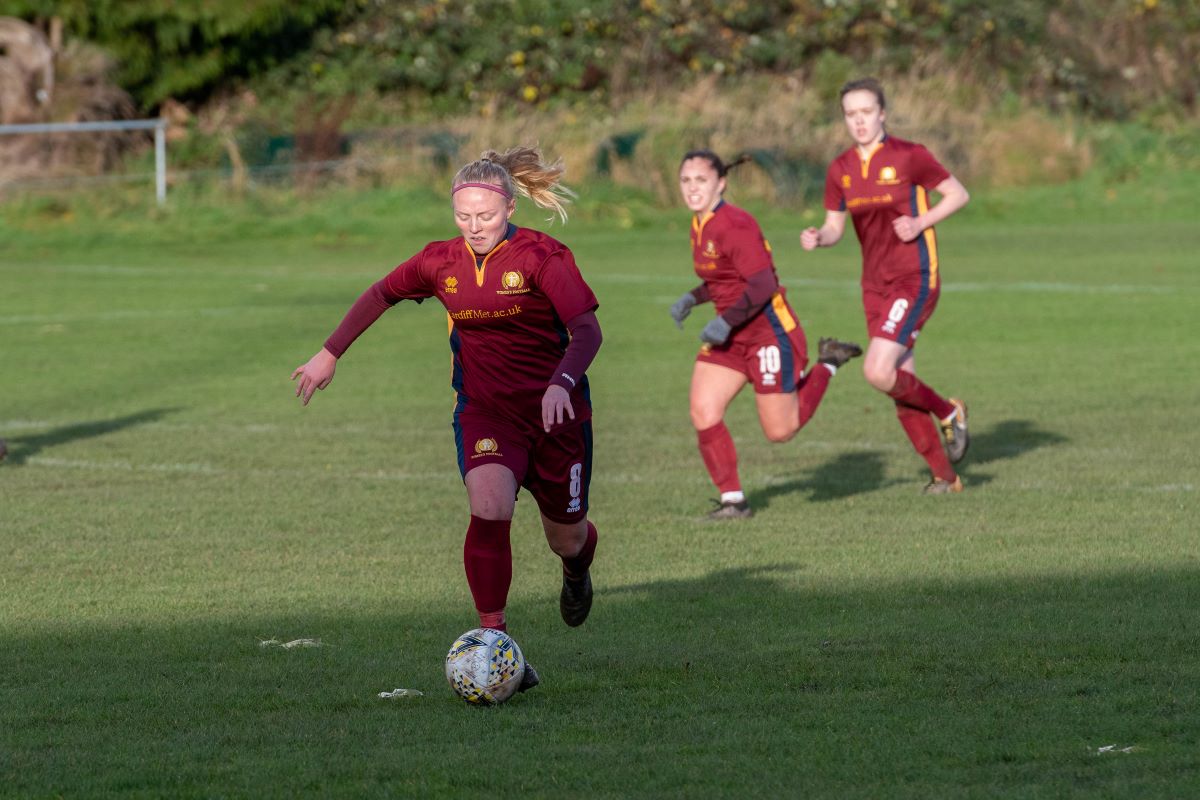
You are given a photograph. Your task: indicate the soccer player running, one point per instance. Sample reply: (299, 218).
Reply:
(523, 332)
(755, 337)
(883, 183)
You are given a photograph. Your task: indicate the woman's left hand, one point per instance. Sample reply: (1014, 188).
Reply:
(907, 228)
(554, 401)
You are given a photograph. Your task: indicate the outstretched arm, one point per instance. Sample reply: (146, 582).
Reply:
(829, 234)
(317, 373)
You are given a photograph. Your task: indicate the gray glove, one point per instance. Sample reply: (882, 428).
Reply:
(716, 331)
(681, 309)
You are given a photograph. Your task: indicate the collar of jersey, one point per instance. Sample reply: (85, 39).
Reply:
(866, 162)
(481, 260)
(698, 223)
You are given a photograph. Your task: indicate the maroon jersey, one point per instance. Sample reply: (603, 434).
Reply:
(892, 182)
(727, 248)
(506, 317)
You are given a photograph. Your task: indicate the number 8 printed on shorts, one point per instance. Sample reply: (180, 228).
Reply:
(575, 487)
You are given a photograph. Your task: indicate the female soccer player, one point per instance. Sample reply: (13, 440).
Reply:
(755, 337)
(523, 416)
(882, 182)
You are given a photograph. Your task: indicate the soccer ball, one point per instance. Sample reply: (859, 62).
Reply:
(485, 666)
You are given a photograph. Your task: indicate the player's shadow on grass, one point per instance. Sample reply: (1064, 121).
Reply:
(22, 448)
(860, 472)
(1007, 439)
(840, 477)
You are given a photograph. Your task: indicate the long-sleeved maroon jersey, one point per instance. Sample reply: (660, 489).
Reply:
(507, 313)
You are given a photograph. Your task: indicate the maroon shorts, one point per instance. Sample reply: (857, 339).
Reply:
(898, 311)
(556, 468)
(774, 366)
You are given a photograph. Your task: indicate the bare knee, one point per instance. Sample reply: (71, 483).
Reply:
(779, 433)
(491, 506)
(880, 375)
(565, 539)
(704, 417)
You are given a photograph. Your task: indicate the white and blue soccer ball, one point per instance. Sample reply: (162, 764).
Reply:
(485, 666)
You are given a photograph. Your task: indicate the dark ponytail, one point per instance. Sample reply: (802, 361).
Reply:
(712, 158)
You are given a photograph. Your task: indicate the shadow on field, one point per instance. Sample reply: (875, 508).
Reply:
(1011, 438)
(21, 448)
(692, 684)
(849, 474)
(843, 476)
(1007, 439)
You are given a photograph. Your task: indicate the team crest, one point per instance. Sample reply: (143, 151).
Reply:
(451, 285)
(845, 181)
(887, 175)
(487, 447)
(513, 283)
(710, 249)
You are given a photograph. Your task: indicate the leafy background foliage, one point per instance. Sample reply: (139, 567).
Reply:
(1111, 58)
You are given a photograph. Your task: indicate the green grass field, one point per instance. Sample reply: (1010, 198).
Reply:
(167, 505)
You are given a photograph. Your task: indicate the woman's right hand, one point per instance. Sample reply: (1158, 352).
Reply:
(314, 375)
(810, 239)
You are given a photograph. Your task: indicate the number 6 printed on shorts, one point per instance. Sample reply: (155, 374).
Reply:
(896, 315)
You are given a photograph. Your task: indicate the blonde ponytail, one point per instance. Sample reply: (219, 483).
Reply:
(521, 168)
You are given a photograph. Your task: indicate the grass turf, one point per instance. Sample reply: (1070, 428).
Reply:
(167, 505)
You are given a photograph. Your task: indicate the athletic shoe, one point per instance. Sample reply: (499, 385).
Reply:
(940, 486)
(955, 432)
(740, 510)
(835, 353)
(575, 601)
(530, 679)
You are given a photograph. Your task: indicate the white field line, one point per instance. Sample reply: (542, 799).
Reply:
(397, 476)
(118, 315)
(208, 469)
(1036, 287)
(211, 427)
(283, 273)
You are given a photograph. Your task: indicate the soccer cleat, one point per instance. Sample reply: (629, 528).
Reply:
(942, 486)
(954, 432)
(575, 601)
(530, 679)
(835, 353)
(740, 510)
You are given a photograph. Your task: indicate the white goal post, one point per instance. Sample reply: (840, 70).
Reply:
(160, 140)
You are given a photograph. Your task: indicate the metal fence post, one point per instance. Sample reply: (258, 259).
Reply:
(160, 139)
(160, 161)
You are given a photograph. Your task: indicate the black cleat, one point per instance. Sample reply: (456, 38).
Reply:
(575, 601)
(954, 432)
(740, 510)
(835, 353)
(530, 679)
